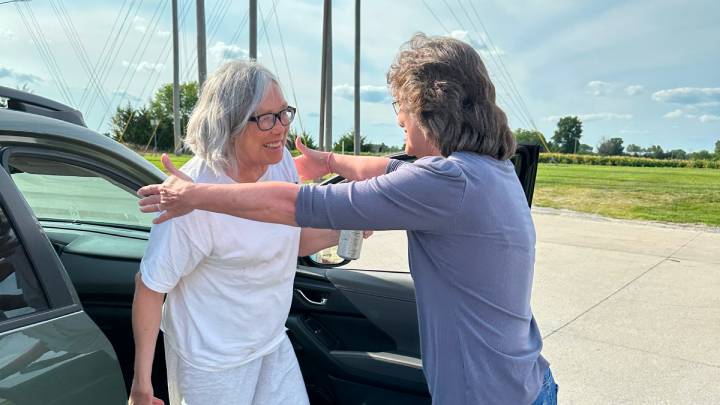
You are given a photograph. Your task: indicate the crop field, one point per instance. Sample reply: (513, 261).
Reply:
(681, 195)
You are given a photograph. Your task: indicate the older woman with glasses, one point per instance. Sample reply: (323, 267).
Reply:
(228, 280)
(470, 234)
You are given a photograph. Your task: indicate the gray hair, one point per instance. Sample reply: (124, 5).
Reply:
(443, 83)
(228, 98)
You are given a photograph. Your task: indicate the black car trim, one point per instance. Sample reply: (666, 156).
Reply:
(19, 100)
(47, 267)
(31, 320)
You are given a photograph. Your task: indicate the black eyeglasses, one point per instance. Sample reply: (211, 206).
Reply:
(266, 122)
(396, 107)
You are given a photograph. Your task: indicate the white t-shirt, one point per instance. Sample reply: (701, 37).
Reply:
(228, 280)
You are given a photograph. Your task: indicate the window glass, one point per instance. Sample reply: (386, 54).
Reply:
(65, 192)
(20, 293)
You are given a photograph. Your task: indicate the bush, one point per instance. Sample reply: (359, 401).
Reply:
(625, 161)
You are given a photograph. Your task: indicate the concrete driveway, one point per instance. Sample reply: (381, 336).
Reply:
(630, 311)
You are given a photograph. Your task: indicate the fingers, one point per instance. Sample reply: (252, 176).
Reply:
(367, 234)
(150, 200)
(300, 145)
(167, 215)
(170, 167)
(157, 401)
(152, 189)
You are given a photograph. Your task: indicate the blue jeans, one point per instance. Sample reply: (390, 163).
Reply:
(548, 391)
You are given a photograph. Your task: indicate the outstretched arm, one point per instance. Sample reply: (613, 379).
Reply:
(314, 164)
(272, 202)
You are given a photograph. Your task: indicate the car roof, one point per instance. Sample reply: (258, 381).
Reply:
(26, 129)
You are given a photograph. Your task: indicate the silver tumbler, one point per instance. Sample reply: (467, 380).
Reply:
(350, 244)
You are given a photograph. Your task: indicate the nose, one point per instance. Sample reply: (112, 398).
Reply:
(400, 120)
(278, 128)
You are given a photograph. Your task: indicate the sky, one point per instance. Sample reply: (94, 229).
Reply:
(647, 71)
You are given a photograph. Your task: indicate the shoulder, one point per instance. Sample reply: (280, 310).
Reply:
(199, 171)
(434, 165)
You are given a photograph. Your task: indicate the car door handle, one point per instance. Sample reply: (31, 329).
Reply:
(323, 300)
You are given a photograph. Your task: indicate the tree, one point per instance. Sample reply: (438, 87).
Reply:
(346, 143)
(306, 138)
(139, 131)
(584, 149)
(567, 135)
(529, 137)
(610, 147)
(717, 149)
(678, 154)
(656, 152)
(701, 155)
(634, 150)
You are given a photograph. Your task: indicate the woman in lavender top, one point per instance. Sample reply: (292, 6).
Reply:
(470, 234)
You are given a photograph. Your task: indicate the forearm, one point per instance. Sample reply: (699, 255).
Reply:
(272, 202)
(146, 314)
(313, 240)
(357, 167)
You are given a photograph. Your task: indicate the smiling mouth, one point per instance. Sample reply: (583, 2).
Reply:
(273, 145)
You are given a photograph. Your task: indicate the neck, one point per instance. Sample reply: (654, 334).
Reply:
(246, 173)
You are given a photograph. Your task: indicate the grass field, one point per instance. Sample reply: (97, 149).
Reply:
(680, 195)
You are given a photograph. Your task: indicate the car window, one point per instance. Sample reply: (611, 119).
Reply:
(20, 293)
(65, 192)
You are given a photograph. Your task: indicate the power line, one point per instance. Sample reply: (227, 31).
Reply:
(287, 66)
(153, 21)
(110, 61)
(513, 105)
(96, 68)
(41, 43)
(74, 39)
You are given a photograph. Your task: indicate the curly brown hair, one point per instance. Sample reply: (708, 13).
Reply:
(443, 83)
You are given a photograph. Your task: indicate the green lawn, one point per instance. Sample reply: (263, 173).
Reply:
(154, 158)
(680, 195)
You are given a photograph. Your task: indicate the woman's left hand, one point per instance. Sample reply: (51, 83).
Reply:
(172, 196)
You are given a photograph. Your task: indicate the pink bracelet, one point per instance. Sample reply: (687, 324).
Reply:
(327, 162)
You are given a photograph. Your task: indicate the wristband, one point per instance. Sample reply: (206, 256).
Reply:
(327, 162)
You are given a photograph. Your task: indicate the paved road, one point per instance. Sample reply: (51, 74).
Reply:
(630, 311)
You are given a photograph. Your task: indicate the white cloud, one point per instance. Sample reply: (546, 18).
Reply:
(144, 65)
(674, 114)
(19, 76)
(634, 131)
(368, 93)
(688, 95)
(599, 88)
(634, 90)
(479, 43)
(222, 52)
(602, 116)
(7, 34)
(709, 118)
(140, 24)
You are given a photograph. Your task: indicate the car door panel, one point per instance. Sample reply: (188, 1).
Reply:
(365, 334)
(57, 355)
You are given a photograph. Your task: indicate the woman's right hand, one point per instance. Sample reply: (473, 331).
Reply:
(311, 164)
(142, 394)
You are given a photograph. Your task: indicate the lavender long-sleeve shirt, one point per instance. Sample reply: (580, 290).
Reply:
(471, 247)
